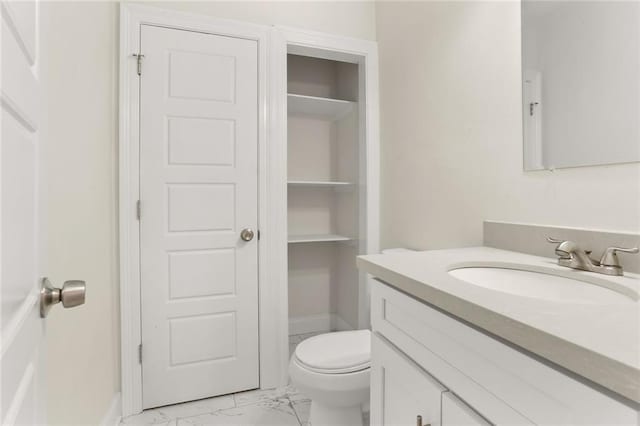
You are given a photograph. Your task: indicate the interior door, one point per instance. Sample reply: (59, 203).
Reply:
(198, 191)
(22, 338)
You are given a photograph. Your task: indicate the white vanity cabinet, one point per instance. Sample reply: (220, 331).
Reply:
(425, 362)
(405, 394)
(402, 390)
(456, 413)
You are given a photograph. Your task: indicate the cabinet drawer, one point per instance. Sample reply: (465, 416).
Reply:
(503, 384)
(400, 390)
(456, 413)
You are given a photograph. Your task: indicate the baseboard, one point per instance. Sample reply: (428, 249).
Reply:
(317, 324)
(309, 324)
(114, 413)
(339, 324)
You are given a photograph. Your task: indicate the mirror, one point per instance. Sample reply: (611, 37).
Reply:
(581, 83)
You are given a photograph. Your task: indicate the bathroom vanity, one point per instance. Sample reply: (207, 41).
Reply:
(448, 350)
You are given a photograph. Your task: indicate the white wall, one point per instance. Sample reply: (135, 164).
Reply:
(80, 163)
(450, 81)
(323, 279)
(80, 46)
(451, 133)
(347, 18)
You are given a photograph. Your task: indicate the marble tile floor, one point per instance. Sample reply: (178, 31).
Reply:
(282, 407)
(275, 407)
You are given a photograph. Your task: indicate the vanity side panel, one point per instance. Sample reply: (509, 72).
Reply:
(486, 373)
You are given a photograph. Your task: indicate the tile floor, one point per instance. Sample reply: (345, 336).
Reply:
(282, 407)
(285, 407)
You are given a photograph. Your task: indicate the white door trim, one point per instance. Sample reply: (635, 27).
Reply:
(272, 244)
(273, 43)
(339, 48)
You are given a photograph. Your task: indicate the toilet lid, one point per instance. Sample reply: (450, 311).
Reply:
(334, 353)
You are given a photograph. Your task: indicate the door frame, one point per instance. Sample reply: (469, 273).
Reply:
(272, 244)
(364, 53)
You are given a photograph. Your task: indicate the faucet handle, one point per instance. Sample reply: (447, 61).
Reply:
(565, 247)
(554, 240)
(610, 258)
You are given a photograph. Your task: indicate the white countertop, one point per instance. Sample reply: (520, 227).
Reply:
(600, 342)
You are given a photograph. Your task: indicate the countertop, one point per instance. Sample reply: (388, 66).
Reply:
(600, 342)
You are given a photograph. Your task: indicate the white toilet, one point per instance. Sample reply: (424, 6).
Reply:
(333, 370)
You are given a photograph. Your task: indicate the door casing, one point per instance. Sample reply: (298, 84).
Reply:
(273, 345)
(364, 53)
(274, 42)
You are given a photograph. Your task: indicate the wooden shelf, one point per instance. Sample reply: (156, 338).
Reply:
(316, 238)
(325, 108)
(318, 184)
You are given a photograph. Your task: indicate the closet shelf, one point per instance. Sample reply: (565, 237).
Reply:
(318, 184)
(325, 108)
(316, 238)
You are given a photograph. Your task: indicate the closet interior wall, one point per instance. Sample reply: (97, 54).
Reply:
(324, 190)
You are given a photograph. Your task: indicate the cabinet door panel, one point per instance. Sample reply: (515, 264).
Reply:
(456, 413)
(400, 389)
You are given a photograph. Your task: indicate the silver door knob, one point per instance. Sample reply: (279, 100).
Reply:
(419, 421)
(71, 294)
(247, 234)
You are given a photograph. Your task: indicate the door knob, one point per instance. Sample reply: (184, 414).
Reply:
(419, 421)
(71, 294)
(247, 234)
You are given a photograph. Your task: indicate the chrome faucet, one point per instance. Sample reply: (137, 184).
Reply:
(572, 256)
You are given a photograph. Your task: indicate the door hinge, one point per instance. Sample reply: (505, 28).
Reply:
(532, 105)
(140, 353)
(139, 57)
(138, 210)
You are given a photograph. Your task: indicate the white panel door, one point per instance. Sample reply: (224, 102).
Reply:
(22, 330)
(198, 190)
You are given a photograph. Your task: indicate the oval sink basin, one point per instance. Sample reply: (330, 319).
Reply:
(546, 286)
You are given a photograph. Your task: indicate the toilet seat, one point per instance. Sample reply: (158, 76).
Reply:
(336, 353)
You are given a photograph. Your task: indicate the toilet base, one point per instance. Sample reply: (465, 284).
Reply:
(335, 416)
